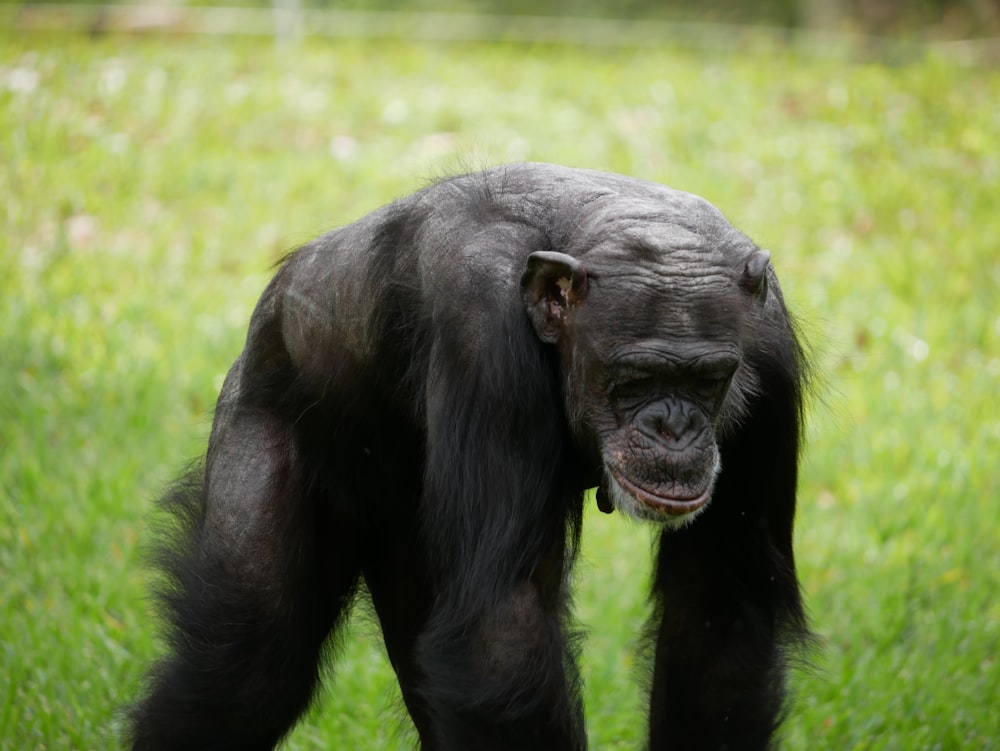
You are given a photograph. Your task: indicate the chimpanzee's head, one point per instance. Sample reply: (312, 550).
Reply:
(653, 326)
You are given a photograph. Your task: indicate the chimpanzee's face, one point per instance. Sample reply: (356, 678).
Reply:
(653, 409)
(651, 355)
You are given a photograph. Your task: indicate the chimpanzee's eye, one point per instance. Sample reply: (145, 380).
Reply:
(633, 388)
(711, 387)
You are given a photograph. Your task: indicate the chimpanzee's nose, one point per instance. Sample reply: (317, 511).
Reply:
(671, 420)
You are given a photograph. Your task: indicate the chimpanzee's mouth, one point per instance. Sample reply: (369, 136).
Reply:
(674, 505)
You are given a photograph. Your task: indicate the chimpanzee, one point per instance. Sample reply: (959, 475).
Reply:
(423, 398)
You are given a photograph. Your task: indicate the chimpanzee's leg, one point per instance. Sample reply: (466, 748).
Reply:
(256, 587)
(481, 673)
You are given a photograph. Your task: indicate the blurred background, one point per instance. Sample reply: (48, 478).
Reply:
(916, 17)
(906, 19)
(156, 161)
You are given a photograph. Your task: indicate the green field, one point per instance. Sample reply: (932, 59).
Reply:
(148, 185)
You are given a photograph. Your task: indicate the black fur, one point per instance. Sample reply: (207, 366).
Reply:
(410, 411)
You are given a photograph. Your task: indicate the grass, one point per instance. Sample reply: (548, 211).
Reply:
(148, 185)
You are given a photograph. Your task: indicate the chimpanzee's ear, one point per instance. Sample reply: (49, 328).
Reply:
(551, 284)
(754, 277)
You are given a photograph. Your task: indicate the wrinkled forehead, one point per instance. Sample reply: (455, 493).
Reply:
(661, 280)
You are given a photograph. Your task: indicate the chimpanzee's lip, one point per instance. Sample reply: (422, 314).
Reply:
(673, 505)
